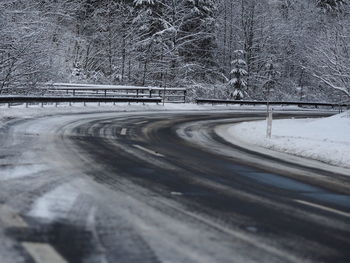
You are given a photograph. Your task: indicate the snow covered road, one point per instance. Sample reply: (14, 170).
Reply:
(159, 187)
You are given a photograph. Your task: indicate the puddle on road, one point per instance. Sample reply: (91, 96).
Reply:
(282, 182)
(300, 188)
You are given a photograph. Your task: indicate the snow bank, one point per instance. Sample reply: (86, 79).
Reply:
(325, 139)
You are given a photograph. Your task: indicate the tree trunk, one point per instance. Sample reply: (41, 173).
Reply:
(225, 40)
(146, 64)
(123, 56)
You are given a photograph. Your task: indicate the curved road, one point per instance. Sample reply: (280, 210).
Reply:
(161, 187)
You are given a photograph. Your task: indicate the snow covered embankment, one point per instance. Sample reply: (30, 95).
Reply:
(325, 139)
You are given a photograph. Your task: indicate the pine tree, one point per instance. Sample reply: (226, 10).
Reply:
(238, 83)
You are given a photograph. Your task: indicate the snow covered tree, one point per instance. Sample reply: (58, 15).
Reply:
(148, 22)
(238, 83)
(331, 5)
(24, 54)
(179, 43)
(198, 37)
(329, 60)
(269, 80)
(176, 39)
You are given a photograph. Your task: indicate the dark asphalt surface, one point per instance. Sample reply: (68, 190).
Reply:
(214, 207)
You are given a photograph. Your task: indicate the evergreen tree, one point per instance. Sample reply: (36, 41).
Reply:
(238, 83)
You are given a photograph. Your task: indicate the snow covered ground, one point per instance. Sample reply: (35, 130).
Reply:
(324, 139)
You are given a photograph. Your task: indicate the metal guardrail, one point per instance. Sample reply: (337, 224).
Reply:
(64, 86)
(285, 103)
(170, 94)
(56, 99)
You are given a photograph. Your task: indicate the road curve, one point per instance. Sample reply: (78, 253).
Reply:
(161, 187)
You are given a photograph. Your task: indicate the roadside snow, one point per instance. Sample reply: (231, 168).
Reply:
(325, 139)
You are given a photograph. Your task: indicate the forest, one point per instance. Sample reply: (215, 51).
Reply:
(250, 49)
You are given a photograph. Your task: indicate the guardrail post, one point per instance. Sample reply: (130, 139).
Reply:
(27, 104)
(42, 105)
(164, 95)
(9, 105)
(269, 124)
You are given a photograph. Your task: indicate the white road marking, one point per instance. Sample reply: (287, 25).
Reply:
(323, 208)
(123, 131)
(148, 150)
(141, 122)
(58, 202)
(176, 193)
(10, 218)
(43, 253)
